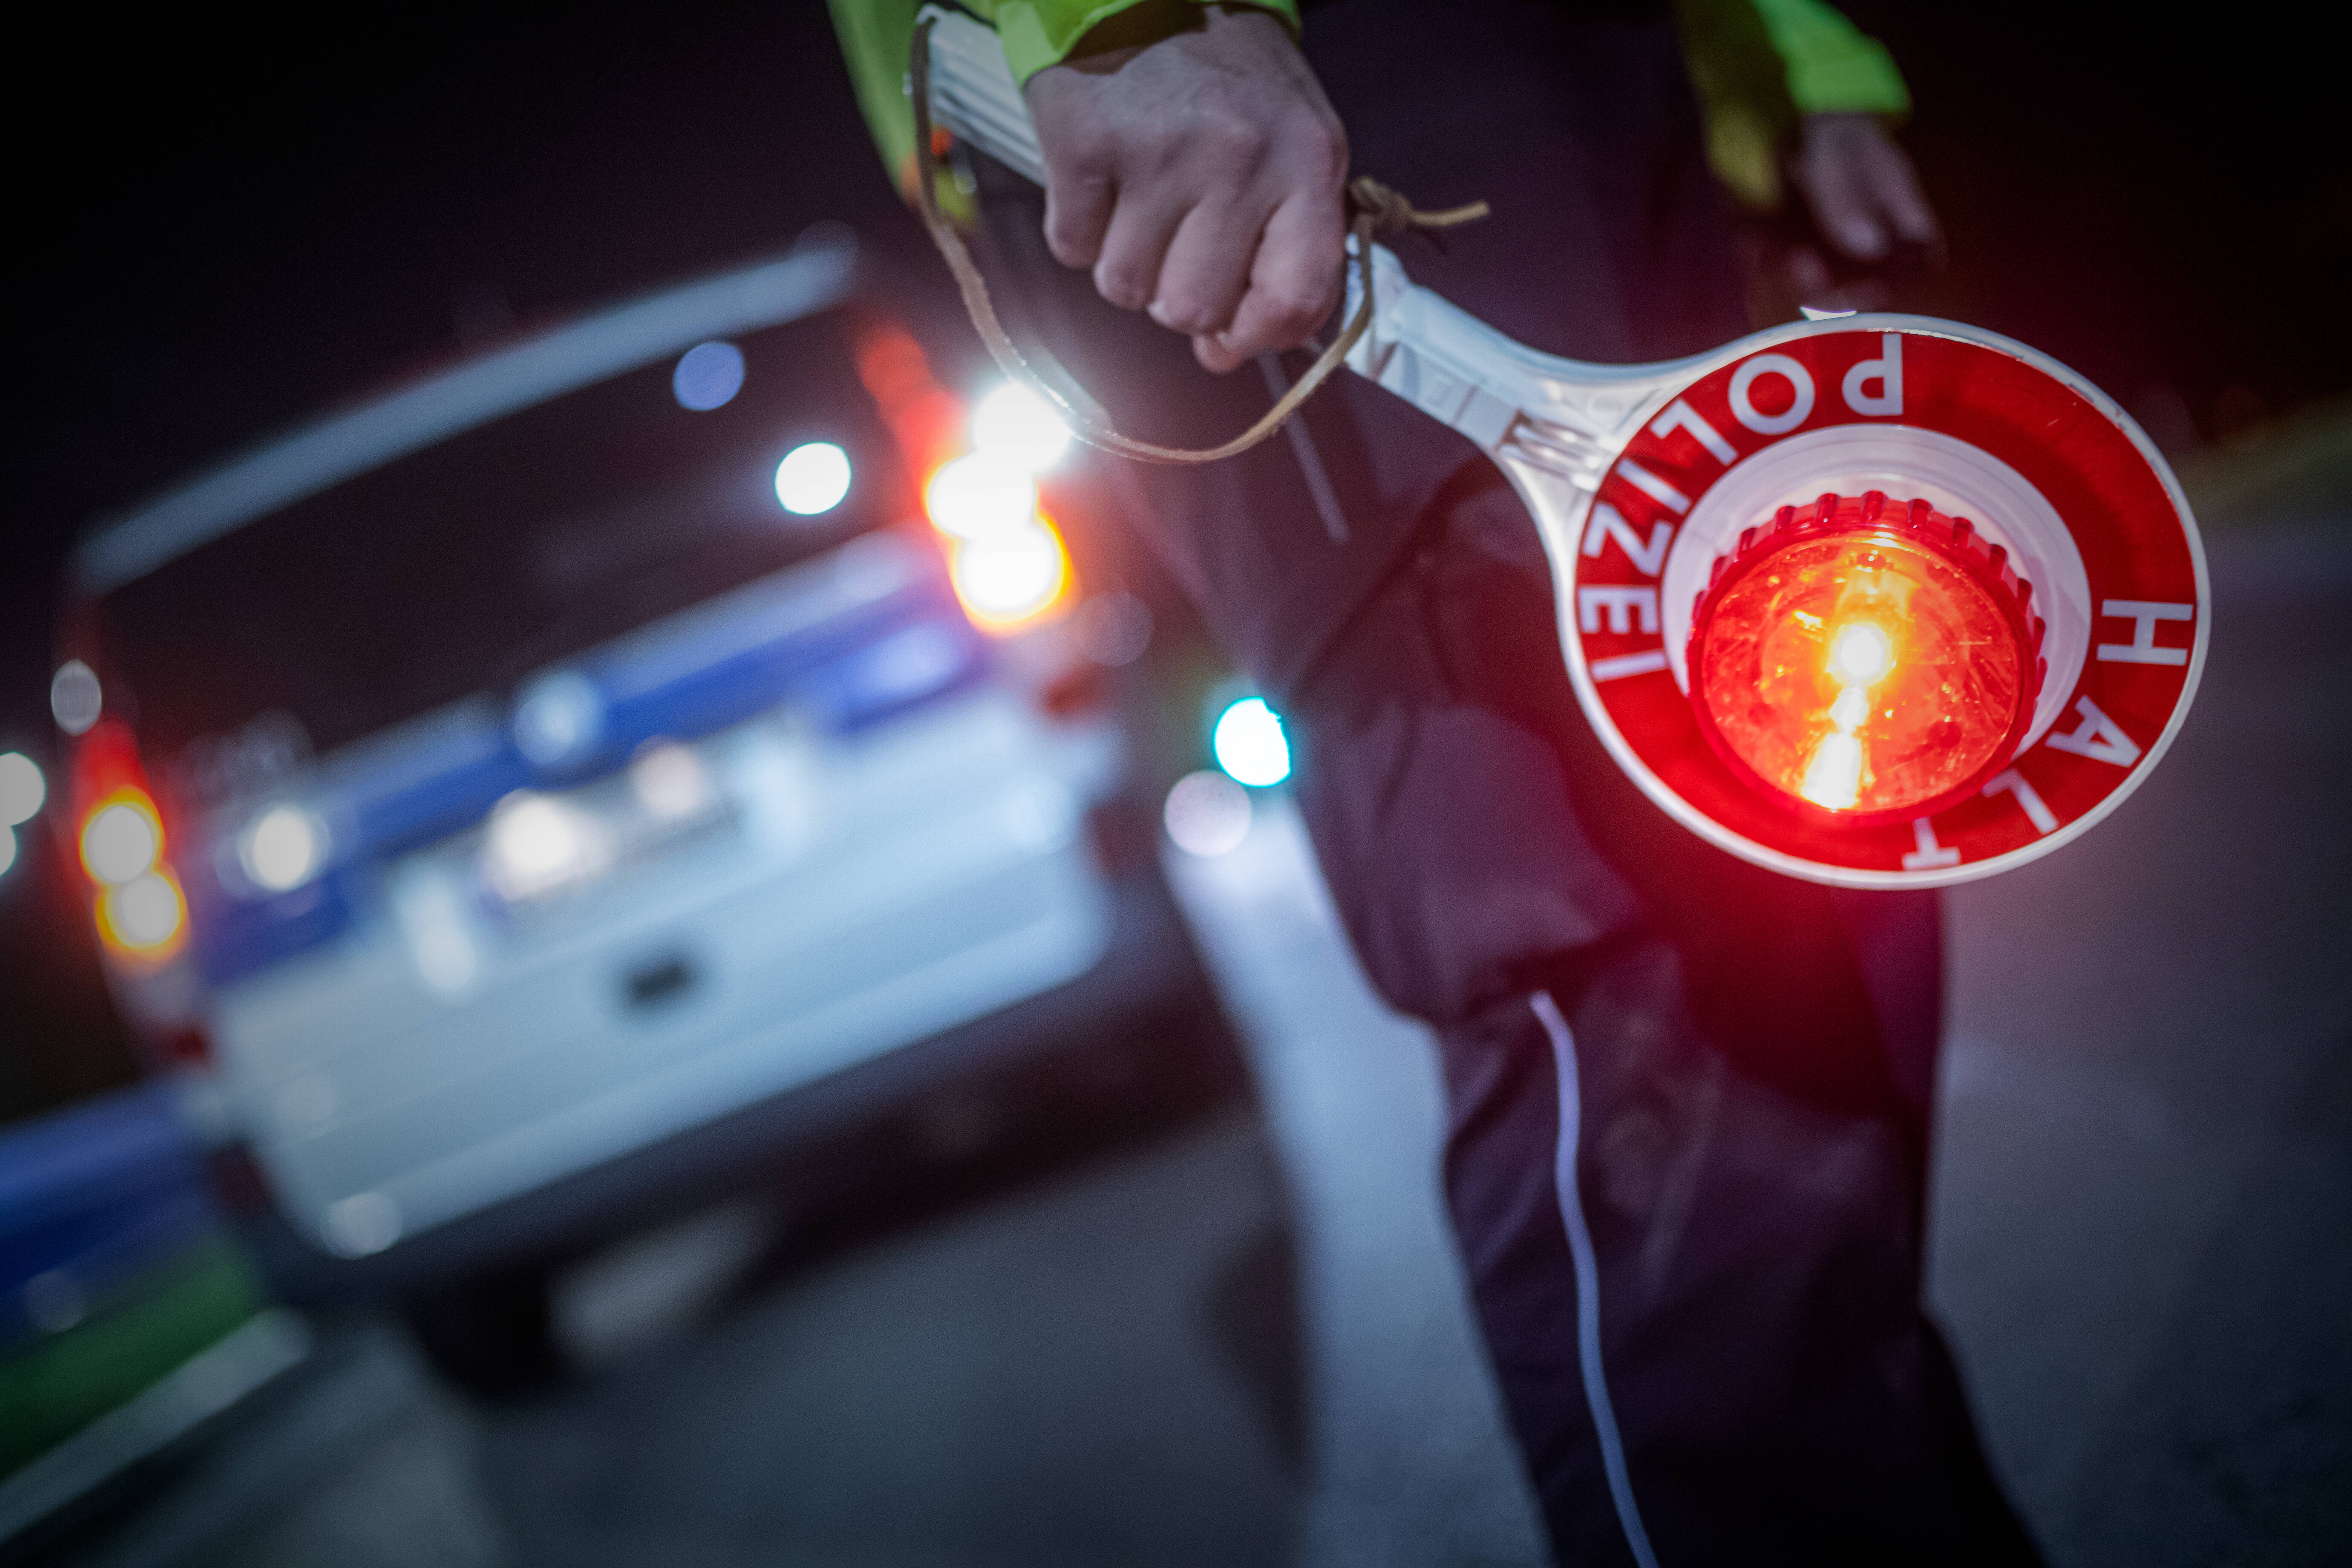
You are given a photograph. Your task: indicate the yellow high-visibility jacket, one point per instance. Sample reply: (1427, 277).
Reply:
(1756, 65)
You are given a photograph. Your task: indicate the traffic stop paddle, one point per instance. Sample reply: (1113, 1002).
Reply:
(1879, 601)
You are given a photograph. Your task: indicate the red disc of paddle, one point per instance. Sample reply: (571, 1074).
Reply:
(1971, 675)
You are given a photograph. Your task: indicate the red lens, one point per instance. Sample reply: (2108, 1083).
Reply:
(1866, 658)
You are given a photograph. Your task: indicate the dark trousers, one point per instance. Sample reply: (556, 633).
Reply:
(1689, 1098)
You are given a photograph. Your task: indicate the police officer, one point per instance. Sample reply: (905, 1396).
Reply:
(1688, 1100)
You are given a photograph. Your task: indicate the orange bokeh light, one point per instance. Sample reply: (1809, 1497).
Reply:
(1865, 659)
(145, 920)
(1012, 579)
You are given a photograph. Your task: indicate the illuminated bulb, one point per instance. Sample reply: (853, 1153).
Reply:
(1870, 668)
(283, 847)
(1250, 745)
(1833, 778)
(144, 913)
(980, 494)
(1852, 706)
(21, 789)
(1010, 575)
(1207, 815)
(812, 478)
(1860, 654)
(1016, 424)
(120, 842)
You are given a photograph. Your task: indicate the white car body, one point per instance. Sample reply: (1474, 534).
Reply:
(549, 978)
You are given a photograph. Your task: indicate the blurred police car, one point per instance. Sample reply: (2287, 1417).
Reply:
(493, 783)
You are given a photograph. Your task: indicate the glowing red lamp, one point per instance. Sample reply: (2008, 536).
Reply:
(1863, 659)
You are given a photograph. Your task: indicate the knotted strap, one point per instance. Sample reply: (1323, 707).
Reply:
(1374, 211)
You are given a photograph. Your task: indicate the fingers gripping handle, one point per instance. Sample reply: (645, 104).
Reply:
(1432, 354)
(958, 71)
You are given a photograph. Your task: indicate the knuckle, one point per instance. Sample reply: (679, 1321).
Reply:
(1188, 312)
(1215, 357)
(1229, 139)
(1084, 150)
(1291, 308)
(1071, 244)
(1324, 261)
(1323, 155)
(1121, 287)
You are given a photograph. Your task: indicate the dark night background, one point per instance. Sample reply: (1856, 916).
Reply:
(224, 223)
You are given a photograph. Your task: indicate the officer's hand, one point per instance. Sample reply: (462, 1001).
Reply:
(1863, 194)
(1199, 176)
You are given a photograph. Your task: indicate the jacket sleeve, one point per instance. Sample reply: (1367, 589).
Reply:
(1832, 66)
(1758, 66)
(877, 36)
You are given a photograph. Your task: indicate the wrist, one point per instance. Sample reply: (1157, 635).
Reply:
(1146, 22)
(1135, 26)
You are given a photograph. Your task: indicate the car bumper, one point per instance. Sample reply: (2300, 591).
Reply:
(1141, 1029)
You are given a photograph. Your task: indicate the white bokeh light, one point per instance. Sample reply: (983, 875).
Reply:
(1207, 813)
(121, 843)
(812, 478)
(979, 494)
(76, 699)
(1249, 743)
(145, 912)
(538, 844)
(670, 782)
(282, 847)
(1016, 424)
(7, 848)
(22, 788)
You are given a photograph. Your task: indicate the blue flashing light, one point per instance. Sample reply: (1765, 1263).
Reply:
(708, 376)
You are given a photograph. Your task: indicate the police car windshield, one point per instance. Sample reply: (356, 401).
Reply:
(462, 568)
